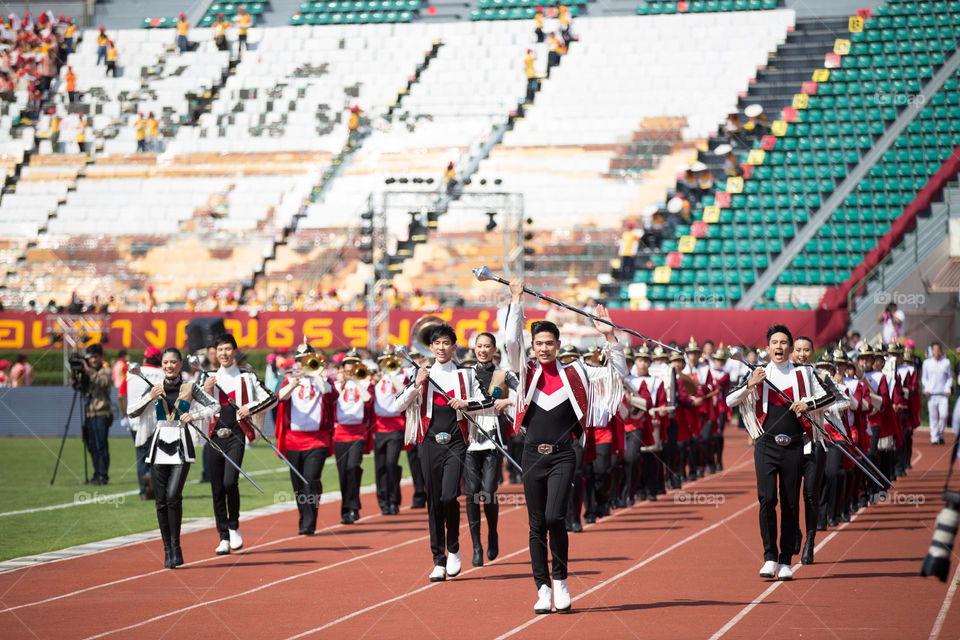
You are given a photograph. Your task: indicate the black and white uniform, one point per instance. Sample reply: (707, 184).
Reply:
(246, 390)
(442, 447)
(778, 467)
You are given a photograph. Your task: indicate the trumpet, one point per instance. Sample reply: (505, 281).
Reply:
(313, 365)
(391, 364)
(360, 372)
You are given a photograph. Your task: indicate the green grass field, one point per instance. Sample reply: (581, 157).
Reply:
(26, 465)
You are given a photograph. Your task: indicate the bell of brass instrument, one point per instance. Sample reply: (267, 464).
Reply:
(313, 365)
(420, 333)
(360, 372)
(391, 364)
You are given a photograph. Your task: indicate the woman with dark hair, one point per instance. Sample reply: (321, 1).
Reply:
(178, 404)
(482, 465)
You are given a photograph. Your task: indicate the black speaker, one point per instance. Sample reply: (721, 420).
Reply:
(201, 332)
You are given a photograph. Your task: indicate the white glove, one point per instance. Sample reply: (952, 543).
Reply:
(126, 424)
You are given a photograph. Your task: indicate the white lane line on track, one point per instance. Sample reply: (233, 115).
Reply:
(524, 550)
(945, 607)
(258, 588)
(188, 564)
(773, 587)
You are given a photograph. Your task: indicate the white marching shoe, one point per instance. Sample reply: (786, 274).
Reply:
(223, 548)
(769, 569)
(439, 574)
(544, 600)
(561, 596)
(236, 542)
(453, 564)
(784, 572)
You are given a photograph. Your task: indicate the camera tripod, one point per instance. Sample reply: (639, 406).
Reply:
(78, 394)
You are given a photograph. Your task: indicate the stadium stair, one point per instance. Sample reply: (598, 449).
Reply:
(339, 162)
(841, 130)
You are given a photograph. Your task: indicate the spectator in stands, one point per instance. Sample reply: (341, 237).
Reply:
(450, 177)
(33, 104)
(756, 125)
(21, 374)
(629, 243)
(153, 132)
(102, 42)
(538, 24)
(148, 302)
(69, 36)
(731, 166)
(140, 125)
(220, 33)
(532, 83)
(353, 126)
(704, 177)
(111, 59)
(119, 374)
(732, 127)
(183, 26)
(7, 88)
(891, 323)
(557, 49)
(564, 18)
(71, 81)
(243, 21)
(81, 133)
(54, 130)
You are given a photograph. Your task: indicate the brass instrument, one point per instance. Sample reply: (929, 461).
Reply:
(360, 372)
(391, 364)
(420, 333)
(313, 365)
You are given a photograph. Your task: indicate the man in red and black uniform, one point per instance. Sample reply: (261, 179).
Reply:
(389, 425)
(700, 422)
(305, 434)
(231, 433)
(910, 389)
(642, 434)
(779, 438)
(721, 385)
(688, 400)
(351, 433)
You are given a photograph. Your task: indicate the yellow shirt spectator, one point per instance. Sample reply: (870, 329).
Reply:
(243, 23)
(528, 63)
(153, 127)
(112, 54)
(182, 27)
(71, 31)
(102, 40)
(141, 126)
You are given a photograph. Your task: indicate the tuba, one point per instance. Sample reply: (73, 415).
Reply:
(420, 333)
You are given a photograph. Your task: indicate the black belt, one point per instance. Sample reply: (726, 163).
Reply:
(547, 449)
(782, 439)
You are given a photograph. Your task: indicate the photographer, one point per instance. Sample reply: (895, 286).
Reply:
(99, 416)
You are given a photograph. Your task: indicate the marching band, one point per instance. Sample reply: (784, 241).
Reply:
(584, 434)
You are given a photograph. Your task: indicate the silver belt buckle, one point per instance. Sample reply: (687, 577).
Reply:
(442, 438)
(545, 449)
(223, 432)
(782, 440)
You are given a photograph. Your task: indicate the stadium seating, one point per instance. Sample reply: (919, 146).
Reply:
(338, 12)
(517, 9)
(658, 7)
(229, 11)
(711, 264)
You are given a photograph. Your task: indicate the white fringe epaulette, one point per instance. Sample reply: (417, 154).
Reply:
(414, 420)
(748, 410)
(605, 392)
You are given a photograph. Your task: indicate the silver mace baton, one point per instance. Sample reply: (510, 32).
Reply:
(826, 436)
(483, 274)
(258, 430)
(135, 370)
(402, 352)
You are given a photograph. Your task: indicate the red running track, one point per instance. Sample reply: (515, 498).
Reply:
(683, 567)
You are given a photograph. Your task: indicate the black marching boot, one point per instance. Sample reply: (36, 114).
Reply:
(164, 522)
(492, 512)
(174, 519)
(473, 519)
(807, 557)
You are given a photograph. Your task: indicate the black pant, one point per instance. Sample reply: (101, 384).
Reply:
(778, 472)
(111, 69)
(671, 453)
(515, 449)
(546, 487)
(242, 43)
(630, 479)
(812, 474)
(386, 461)
(481, 471)
(168, 481)
(442, 466)
(349, 456)
(310, 464)
(575, 501)
(707, 442)
(416, 474)
(598, 478)
(224, 480)
(833, 490)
